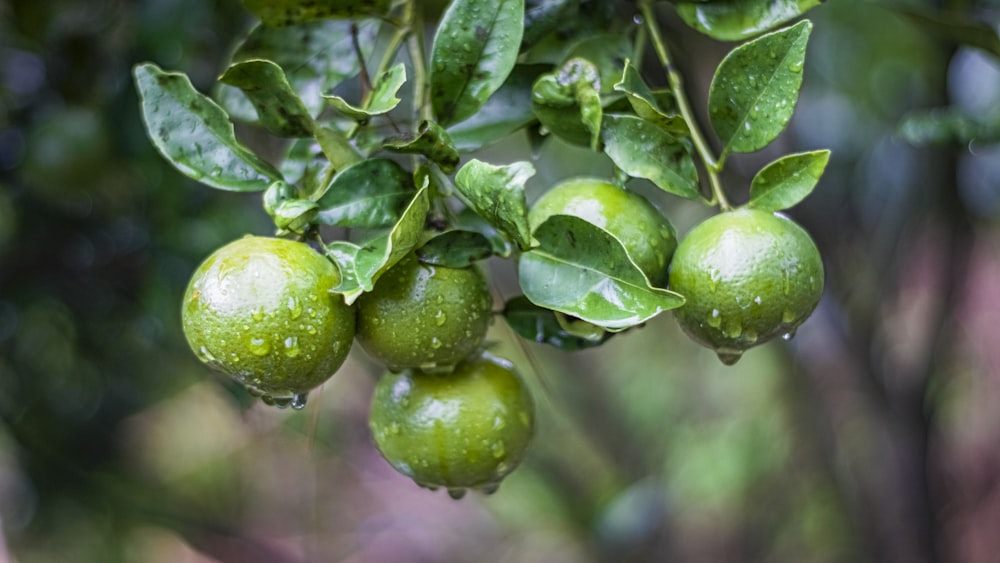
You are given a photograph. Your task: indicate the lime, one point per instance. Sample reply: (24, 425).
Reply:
(463, 430)
(261, 310)
(748, 276)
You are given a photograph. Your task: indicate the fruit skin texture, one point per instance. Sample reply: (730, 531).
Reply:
(464, 430)
(748, 276)
(424, 316)
(260, 310)
(645, 233)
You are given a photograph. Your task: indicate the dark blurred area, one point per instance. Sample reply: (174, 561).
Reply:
(874, 435)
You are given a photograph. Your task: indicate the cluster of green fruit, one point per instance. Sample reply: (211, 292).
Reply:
(447, 414)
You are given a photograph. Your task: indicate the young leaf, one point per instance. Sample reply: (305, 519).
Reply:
(507, 110)
(278, 106)
(645, 104)
(754, 90)
(787, 181)
(581, 270)
(305, 166)
(474, 50)
(361, 265)
(431, 141)
(608, 52)
(568, 102)
(278, 13)
(735, 20)
(382, 98)
(538, 324)
(315, 56)
(644, 150)
(372, 194)
(496, 193)
(455, 249)
(195, 134)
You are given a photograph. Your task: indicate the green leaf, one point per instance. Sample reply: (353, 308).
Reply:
(952, 27)
(787, 181)
(455, 249)
(381, 100)
(315, 56)
(474, 50)
(432, 141)
(581, 270)
(537, 324)
(278, 106)
(294, 215)
(361, 265)
(468, 219)
(337, 149)
(645, 103)
(278, 13)
(496, 193)
(755, 88)
(195, 134)
(507, 110)
(642, 149)
(305, 166)
(372, 194)
(735, 20)
(568, 103)
(542, 17)
(608, 52)
(948, 126)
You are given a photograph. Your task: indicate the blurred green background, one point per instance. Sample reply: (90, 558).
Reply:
(874, 435)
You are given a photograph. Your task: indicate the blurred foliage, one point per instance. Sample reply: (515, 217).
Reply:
(871, 436)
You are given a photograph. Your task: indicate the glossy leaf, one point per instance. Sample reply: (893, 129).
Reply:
(195, 135)
(496, 193)
(787, 181)
(608, 52)
(469, 220)
(361, 265)
(542, 17)
(755, 88)
(568, 103)
(538, 324)
(735, 20)
(278, 107)
(642, 149)
(582, 270)
(372, 194)
(305, 166)
(278, 13)
(507, 110)
(294, 215)
(381, 100)
(474, 50)
(337, 149)
(455, 249)
(315, 56)
(645, 103)
(432, 141)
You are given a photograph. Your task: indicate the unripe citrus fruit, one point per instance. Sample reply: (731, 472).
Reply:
(645, 233)
(463, 430)
(260, 309)
(424, 316)
(748, 276)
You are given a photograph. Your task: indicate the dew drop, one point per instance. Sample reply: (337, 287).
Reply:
(713, 279)
(490, 489)
(292, 346)
(294, 307)
(732, 328)
(795, 66)
(757, 300)
(750, 336)
(440, 318)
(787, 316)
(206, 356)
(788, 283)
(714, 320)
(435, 343)
(456, 493)
(729, 357)
(280, 402)
(299, 401)
(788, 335)
(394, 429)
(258, 313)
(311, 329)
(260, 346)
(498, 450)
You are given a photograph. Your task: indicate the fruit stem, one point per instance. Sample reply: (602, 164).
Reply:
(712, 165)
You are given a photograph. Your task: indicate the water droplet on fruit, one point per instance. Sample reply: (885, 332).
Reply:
(292, 346)
(456, 493)
(713, 279)
(311, 329)
(788, 335)
(440, 318)
(490, 489)
(280, 402)
(498, 449)
(258, 313)
(260, 346)
(394, 429)
(750, 336)
(299, 401)
(787, 316)
(435, 343)
(206, 356)
(757, 300)
(729, 357)
(294, 307)
(440, 299)
(788, 283)
(732, 328)
(714, 320)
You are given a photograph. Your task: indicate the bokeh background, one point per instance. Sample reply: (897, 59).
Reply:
(874, 435)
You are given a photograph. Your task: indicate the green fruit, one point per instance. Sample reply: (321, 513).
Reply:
(464, 430)
(748, 276)
(645, 233)
(261, 310)
(424, 316)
